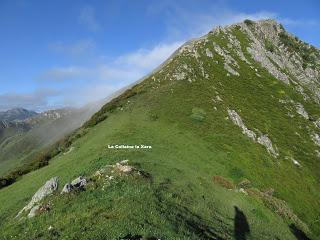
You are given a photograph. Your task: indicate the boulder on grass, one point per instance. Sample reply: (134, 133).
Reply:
(78, 183)
(48, 188)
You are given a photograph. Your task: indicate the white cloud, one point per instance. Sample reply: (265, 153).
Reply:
(149, 58)
(77, 49)
(37, 100)
(88, 18)
(298, 22)
(100, 80)
(64, 74)
(184, 24)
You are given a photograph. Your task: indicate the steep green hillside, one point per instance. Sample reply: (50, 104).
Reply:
(233, 128)
(22, 141)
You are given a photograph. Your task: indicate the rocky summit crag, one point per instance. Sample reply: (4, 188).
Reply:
(233, 121)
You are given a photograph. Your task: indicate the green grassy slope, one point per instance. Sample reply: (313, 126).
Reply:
(19, 146)
(7, 136)
(192, 142)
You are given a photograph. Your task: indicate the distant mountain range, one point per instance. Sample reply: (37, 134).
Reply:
(25, 133)
(16, 114)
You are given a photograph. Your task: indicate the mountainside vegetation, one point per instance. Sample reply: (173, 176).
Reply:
(26, 144)
(226, 145)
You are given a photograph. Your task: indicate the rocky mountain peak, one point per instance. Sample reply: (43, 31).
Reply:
(17, 114)
(267, 43)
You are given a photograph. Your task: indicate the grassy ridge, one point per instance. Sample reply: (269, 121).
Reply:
(181, 189)
(192, 142)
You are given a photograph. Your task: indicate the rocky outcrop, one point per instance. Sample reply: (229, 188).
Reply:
(258, 53)
(121, 168)
(295, 162)
(67, 188)
(236, 119)
(301, 111)
(47, 189)
(77, 184)
(316, 139)
(209, 53)
(276, 51)
(230, 64)
(230, 69)
(263, 139)
(33, 212)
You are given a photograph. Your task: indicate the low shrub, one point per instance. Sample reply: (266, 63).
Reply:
(249, 22)
(269, 46)
(245, 183)
(269, 191)
(223, 182)
(198, 114)
(276, 205)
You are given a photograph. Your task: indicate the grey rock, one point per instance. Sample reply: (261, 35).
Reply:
(67, 188)
(295, 162)
(33, 211)
(317, 123)
(124, 162)
(302, 111)
(236, 119)
(316, 139)
(125, 168)
(281, 61)
(257, 51)
(209, 53)
(48, 188)
(265, 141)
(79, 182)
(228, 59)
(230, 69)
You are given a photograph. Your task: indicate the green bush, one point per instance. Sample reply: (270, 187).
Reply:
(282, 28)
(269, 46)
(198, 114)
(249, 22)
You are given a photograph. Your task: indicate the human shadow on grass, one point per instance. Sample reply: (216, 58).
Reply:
(241, 225)
(138, 237)
(299, 234)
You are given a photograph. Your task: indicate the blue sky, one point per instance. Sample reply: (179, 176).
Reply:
(68, 53)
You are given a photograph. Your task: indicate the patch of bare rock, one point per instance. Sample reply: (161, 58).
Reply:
(108, 173)
(34, 205)
(263, 139)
